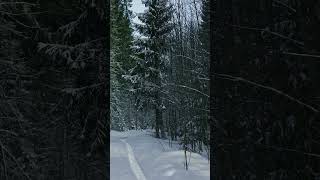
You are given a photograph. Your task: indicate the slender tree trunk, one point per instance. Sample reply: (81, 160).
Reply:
(157, 123)
(159, 120)
(136, 118)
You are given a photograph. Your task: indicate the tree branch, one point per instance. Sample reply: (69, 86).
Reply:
(240, 79)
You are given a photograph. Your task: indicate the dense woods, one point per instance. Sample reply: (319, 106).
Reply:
(161, 77)
(54, 89)
(265, 89)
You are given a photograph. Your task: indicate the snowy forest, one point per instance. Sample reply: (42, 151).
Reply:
(160, 81)
(159, 75)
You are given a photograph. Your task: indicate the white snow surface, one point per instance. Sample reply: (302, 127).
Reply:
(137, 155)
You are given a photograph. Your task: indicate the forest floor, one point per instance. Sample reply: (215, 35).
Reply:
(137, 155)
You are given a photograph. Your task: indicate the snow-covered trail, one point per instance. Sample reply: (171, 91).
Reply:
(135, 155)
(133, 163)
(120, 168)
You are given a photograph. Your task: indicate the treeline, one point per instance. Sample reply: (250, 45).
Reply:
(161, 77)
(264, 91)
(54, 89)
(123, 113)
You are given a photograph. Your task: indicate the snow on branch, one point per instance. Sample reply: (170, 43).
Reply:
(190, 88)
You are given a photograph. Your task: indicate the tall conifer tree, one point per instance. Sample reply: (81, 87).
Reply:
(121, 62)
(155, 28)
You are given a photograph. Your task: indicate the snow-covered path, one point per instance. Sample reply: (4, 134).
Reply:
(135, 155)
(133, 163)
(119, 162)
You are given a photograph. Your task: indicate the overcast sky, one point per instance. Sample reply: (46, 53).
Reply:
(137, 7)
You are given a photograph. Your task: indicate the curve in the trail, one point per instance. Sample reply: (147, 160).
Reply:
(136, 169)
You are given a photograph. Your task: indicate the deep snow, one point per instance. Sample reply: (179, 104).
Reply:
(136, 155)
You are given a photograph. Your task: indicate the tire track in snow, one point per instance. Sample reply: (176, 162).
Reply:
(136, 169)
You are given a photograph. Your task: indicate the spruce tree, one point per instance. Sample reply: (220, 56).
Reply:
(56, 68)
(155, 28)
(121, 63)
(205, 26)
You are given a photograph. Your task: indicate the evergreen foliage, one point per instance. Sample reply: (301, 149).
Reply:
(155, 28)
(169, 81)
(55, 89)
(121, 63)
